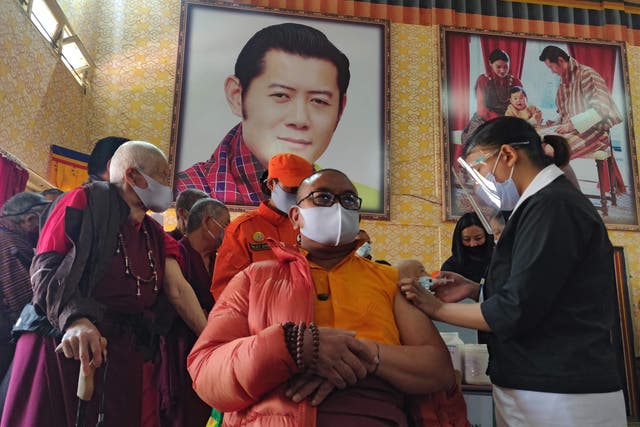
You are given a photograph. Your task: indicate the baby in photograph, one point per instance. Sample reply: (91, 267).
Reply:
(518, 107)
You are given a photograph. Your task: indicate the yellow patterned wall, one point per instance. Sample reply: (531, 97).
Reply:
(415, 229)
(131, 94)
(135, 50)
(40, 102)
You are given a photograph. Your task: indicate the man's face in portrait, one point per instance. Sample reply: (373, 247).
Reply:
(293, 106)
(559, 68)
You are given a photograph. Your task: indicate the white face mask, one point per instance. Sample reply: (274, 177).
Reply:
(282, 199)
(333, 225)
(156, 197)
(506, 191)
(364, 250)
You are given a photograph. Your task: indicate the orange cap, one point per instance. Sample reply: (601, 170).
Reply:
(289, 169)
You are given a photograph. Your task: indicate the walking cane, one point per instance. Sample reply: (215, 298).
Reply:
(85, 388)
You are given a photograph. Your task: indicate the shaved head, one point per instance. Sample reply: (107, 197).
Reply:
(410, 268)
(323, 180)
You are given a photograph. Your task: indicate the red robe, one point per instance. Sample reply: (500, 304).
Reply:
(180, 406)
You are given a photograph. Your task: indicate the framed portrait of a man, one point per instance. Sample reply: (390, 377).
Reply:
(252, 82)
(574, 88)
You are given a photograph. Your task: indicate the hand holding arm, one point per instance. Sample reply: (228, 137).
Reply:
(419, 296)
(455, 288)
(466, 315)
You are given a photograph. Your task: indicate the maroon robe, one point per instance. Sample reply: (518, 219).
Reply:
(180, 406)
(42, 390)
(16, 252)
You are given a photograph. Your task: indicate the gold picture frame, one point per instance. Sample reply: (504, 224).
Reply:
(622, 335)
(212, 33)
(464, 58)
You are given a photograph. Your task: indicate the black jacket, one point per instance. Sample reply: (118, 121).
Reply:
(62, 284)
(549, 297)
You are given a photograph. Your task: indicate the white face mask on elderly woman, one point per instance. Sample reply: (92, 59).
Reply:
(156, 197)
(333, 225)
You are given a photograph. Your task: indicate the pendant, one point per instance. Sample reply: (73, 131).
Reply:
(138, 285)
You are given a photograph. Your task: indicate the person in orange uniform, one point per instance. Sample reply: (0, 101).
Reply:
(245, 240)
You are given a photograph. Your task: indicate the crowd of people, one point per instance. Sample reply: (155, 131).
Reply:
(303, 326)
(281, 316)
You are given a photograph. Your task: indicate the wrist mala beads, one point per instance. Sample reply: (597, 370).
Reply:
(294, 340)
(315, 333)
(300, 346)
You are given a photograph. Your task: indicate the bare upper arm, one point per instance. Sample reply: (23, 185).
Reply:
(414, 326)
(173, 278)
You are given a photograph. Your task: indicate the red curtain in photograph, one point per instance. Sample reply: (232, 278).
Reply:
(457, 89)
(458, 80)
(14, 179)
(514, 48)
(599, 57)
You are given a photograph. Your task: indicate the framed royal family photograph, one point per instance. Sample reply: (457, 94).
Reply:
(252, 82)
(575, 88)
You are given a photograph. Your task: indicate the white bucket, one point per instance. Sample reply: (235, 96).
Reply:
(476, 360)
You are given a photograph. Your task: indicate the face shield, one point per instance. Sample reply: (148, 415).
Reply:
(477, 193)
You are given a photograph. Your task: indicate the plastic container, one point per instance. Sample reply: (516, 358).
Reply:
(476, 360)
(455, 345)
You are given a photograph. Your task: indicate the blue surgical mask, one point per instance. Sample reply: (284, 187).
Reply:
(425, 281)
(282, 199)
(506, 191)
(156, 197)
(365, 250)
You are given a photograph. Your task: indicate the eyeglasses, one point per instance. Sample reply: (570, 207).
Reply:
(326, 199)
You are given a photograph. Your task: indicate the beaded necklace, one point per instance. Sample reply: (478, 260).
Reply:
(128, 271)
